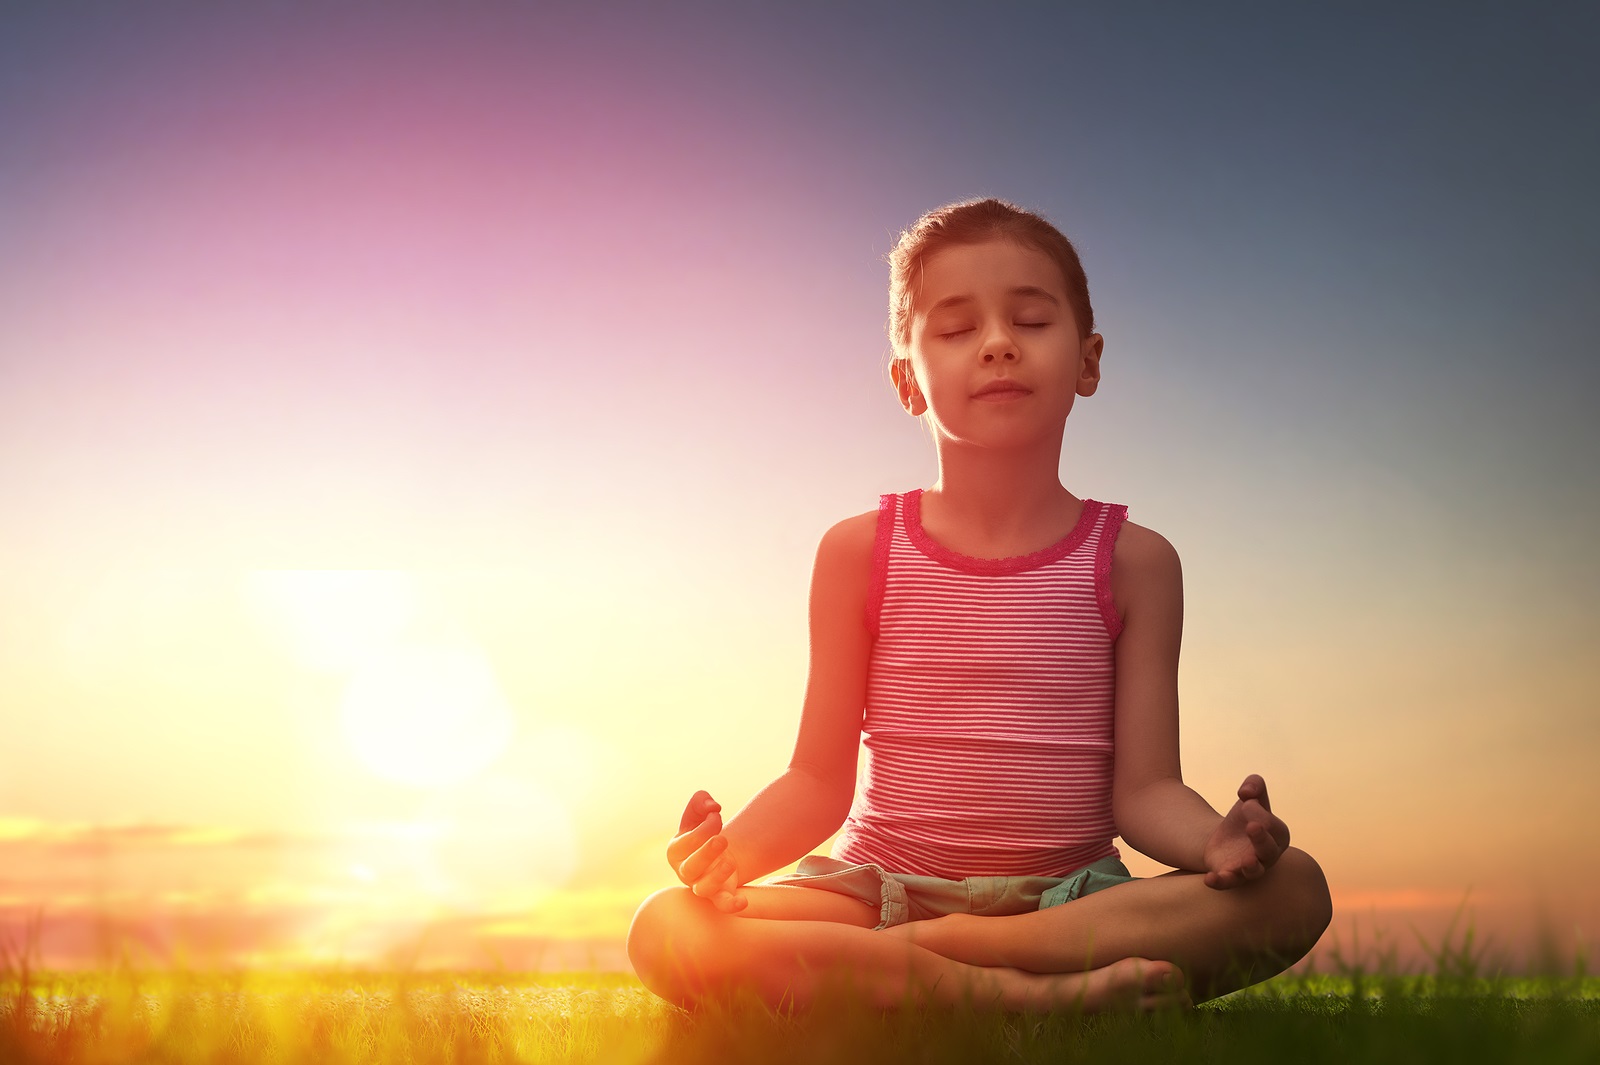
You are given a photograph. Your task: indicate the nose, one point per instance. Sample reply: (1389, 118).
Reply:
(999, 346)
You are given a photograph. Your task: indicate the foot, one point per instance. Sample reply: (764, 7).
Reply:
(1132, 985)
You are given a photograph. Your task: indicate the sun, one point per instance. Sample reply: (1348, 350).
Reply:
(426, 715)
(420, 702)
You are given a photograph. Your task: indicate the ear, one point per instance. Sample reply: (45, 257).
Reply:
(1089, 365)
(905, 386)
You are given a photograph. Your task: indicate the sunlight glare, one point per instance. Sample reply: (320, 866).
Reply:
(565, 759)
(498, 840)
(332, 619)
(426, 715)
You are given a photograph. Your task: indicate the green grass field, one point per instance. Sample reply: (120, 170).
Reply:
(1451, 1014)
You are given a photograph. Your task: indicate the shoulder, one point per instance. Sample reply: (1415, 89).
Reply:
(849, 543)
(1144, 565)
(1142, 548)
(843, 573)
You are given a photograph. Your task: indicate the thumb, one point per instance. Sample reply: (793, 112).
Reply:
(700, 805)
(1255, 787)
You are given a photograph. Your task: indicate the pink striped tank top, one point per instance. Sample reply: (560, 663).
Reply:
(989, 704)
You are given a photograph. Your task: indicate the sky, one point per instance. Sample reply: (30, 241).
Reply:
(515, 357)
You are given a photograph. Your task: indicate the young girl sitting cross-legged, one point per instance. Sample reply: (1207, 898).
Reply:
(1007, 655)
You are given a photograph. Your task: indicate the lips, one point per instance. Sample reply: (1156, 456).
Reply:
(1002, 387)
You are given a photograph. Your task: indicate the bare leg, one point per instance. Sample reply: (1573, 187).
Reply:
(685, 950)
(1223, 940)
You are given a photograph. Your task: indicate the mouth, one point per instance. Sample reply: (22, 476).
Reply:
(1002, 390)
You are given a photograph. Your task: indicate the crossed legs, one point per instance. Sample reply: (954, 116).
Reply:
(1133, 946)
(1222, 940)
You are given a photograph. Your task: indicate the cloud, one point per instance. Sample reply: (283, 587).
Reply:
(81, 934)
(1390, 900)
(68, 837)
(367, 893)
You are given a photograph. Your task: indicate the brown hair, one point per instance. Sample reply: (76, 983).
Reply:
(974, 222)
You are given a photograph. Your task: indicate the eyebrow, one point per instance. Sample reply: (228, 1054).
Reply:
(1020, 290)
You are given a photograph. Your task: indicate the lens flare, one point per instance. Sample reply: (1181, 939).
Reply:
(424, 715)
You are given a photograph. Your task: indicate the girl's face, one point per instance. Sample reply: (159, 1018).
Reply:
(996, 358)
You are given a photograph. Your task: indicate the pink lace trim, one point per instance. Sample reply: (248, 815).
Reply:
(880, 562)
(1116, 514)
(991, 566)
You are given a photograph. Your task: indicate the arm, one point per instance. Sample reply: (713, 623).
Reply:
(809, 801)
(1155, 811)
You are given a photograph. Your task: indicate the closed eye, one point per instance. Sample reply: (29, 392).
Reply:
(1024, 325)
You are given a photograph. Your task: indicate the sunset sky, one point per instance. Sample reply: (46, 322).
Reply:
(515, 356)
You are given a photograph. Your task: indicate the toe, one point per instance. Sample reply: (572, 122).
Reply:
(1161, 976)
(1164, 987)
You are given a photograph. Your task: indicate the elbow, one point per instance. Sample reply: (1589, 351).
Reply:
(1124, 825)
(835, 805)
(839, 809)
(1129, 808)
(831, 792)
(1123, 807)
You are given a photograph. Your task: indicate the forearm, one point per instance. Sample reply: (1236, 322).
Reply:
(785, 821)
(1168, 821)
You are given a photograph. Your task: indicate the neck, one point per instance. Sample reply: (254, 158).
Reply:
(1000, 492)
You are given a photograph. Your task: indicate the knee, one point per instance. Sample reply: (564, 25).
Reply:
(1306, 888)
(667, 944)
(938, 933)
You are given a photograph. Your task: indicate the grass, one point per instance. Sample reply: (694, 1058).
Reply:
(1461, 1011)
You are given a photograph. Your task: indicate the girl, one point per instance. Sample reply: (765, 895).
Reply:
(1007, 655)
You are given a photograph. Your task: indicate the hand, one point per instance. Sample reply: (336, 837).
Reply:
(698, 854)
(1247, 841)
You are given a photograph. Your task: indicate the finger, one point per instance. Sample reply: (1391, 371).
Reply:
(697, 865)
(680, 847)
(689, 842)
(721, 885)
(1266, 845)
(1259, 792)
(1254, 812)
(730, 901)
(716, 880)
(700, 804)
